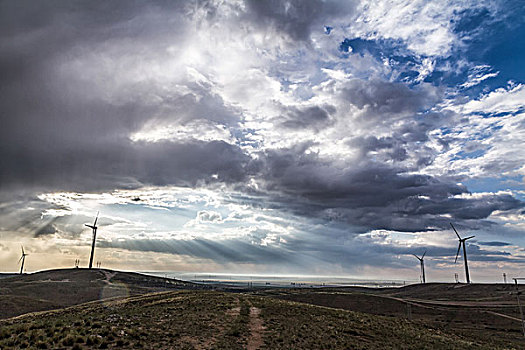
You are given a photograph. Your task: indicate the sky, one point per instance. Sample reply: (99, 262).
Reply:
(311, 137)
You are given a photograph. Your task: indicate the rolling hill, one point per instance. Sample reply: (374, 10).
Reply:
(86, 309)
(54, 289)
(219, 320)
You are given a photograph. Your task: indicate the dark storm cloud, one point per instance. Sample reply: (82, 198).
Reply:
(403, 117)
(381, 99)
(66, 125)
(295, 18)
(34, 35)
(494, 243)
(395, 146)
(371, 195)
(127, 165)
(307, 118)
(62, 132)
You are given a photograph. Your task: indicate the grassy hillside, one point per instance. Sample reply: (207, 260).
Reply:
(217, 320)
(130, 310)
(488, 313)
(53, 289)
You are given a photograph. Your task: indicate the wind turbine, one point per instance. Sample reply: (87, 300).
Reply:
(23, 259)
(422, 265)
(94, 228)
(462, 243)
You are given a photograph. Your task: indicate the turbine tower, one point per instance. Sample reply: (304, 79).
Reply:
(422, 265)
(23, 259)
(94, 228)
(462, 243)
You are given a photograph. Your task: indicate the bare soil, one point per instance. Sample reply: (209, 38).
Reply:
(256, 329)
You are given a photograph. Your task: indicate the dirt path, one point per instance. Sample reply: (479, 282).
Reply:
(236, 311)
(466, 304)
(450, 305)
(256, 328)
(503, 315)
(443, 305)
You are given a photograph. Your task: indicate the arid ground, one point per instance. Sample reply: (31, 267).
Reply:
(109, 309)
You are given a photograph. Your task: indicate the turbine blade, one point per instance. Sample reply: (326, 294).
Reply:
(417, 257)
(424, 254)
(20, 259)
(457, 234)
(95, 224)
(459, 247)
(468, 238)
(22, 250)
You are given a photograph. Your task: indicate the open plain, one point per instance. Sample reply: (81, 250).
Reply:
(83, 309)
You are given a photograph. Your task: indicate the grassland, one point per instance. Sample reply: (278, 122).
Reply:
(485, 312)
(218, 320)
(97, 309)
(54, 289)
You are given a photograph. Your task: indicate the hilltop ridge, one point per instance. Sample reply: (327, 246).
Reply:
(53, 289)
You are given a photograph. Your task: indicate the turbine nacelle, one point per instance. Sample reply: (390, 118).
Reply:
(94, 226)
(422, 256)
(461, 241)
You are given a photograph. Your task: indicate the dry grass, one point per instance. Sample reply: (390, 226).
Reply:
(492, 318)
(465, 316)
(54, 289)
(215, 320)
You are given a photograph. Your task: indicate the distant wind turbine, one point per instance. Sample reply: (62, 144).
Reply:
(462, 243)
(23, 259)
(422, 265)
(94, 228)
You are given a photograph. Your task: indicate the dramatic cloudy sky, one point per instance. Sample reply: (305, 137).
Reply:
(311, 137)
